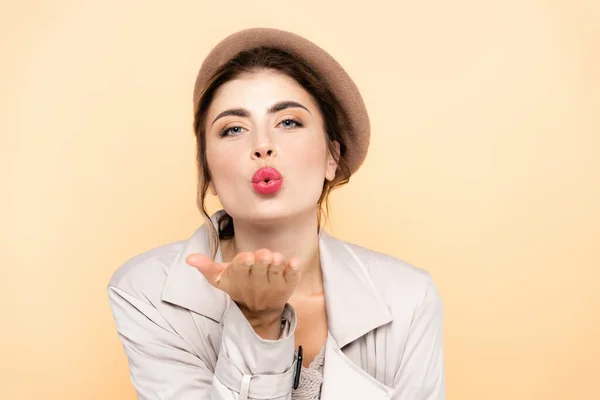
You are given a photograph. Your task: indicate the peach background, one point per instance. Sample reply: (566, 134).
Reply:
(483, 169)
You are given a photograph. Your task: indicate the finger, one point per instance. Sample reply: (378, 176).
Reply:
(262, 260)
(241, 265)
(211, 270)
(275, 272)
(291, 274)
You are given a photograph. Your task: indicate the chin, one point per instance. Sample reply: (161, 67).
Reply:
(266, 211)
(269, 210)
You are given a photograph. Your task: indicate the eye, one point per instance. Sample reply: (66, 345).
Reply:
(290, 123)
(231, 131)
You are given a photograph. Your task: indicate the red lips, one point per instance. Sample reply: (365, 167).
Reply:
(266, 174)
(266, 180)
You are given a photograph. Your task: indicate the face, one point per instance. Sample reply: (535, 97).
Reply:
(267, 119)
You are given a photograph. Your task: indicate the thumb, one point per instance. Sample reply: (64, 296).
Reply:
(211, 270)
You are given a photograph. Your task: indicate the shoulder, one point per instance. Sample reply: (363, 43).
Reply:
(161, 279)
(144, 274)
(402, 286)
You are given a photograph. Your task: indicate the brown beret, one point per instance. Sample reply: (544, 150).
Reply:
(356, 130)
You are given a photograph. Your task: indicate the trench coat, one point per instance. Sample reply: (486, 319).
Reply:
(186, 340)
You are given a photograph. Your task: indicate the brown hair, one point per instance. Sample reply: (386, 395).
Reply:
(254, 60)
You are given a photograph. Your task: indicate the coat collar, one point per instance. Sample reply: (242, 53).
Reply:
(354, 306)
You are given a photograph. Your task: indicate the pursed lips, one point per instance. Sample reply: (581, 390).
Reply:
(266, 174)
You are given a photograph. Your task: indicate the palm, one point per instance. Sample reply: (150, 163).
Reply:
(259, 282)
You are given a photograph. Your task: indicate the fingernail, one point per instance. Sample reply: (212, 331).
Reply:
(294, 265)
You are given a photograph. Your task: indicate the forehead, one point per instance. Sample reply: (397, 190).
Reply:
(259, 90)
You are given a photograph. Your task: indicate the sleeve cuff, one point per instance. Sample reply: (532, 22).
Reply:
(261, 386)
(251, 365)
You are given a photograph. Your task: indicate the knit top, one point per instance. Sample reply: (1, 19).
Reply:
(311, 379)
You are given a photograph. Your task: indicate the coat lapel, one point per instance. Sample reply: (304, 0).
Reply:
(186, 287)
(354, 308)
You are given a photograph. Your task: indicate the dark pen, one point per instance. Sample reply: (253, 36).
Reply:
(298, 368)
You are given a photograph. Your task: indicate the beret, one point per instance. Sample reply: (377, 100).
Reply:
(355, 130)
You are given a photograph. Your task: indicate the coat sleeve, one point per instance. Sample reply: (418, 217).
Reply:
(421, 375)
(163, 366)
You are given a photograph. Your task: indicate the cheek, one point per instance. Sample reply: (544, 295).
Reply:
(221, 167)
(310, 159)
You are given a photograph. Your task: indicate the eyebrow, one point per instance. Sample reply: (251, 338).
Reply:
(242, 112)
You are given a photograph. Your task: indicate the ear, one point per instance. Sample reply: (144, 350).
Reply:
(331, 163)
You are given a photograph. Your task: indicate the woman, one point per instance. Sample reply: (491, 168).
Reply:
(261, 303)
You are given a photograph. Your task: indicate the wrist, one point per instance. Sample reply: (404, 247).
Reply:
(266, 324)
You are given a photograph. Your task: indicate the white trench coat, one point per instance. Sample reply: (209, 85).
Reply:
(186, 340)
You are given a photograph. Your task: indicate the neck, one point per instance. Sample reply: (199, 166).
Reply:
(293, 238)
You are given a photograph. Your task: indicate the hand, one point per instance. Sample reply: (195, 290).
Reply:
(260, 283)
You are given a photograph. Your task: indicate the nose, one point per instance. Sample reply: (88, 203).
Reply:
(263, 153)
(264, 149)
